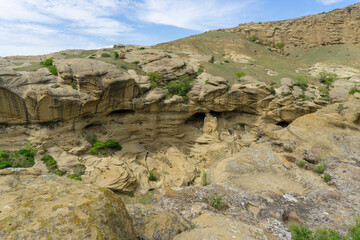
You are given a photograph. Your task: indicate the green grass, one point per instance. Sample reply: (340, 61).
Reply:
(180, 87)
(18, 63)
(216, 43)
(204, 181)
(216, 201)
(122, 65)
(354, 90)
(22, 158)
(110, 143)
(304, 233)
(300, 164)
(327, 177)
(74, 177)
(152, 176)
(31, 68)
(342, 54)
(105, 55)
(51, 165)
(83, 54)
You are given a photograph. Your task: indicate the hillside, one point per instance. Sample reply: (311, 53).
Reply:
(214, 136)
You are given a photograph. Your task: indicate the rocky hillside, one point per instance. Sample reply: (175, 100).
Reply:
(336, 27)
(210, 137)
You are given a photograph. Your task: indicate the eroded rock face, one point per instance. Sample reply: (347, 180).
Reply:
(152, 222)
(335, 27)
(40, 207)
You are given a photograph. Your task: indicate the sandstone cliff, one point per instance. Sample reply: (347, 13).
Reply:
(335, 27)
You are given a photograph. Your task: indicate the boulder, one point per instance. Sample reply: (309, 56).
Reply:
(59, 208)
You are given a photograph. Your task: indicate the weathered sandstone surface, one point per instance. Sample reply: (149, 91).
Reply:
(335, 27)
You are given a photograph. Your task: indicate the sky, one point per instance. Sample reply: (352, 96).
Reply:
(33, 27)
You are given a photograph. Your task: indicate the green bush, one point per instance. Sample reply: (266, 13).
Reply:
(55, 86)
(116, 55)
(327, 177)
(253, 38)
(302, 82)
(300, 164)
(22, 158)
(73, 85)
(53, 70)
(272, 90)
(180, 87)
(327, 78)
(152, 177)
(155, 79)
(48, 62)
(105, 55)
(216, 201)
(110, 143)
(136, 62)
(240, 74)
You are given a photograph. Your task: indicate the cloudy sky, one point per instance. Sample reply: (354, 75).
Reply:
(31, 27)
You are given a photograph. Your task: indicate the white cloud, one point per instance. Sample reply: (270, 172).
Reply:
(38, 26)
(329, 2)
(195, 15)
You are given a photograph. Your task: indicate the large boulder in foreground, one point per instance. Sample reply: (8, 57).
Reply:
(50, 207)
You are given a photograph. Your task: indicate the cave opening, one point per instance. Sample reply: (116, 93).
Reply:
(283, 124)
(196, 120)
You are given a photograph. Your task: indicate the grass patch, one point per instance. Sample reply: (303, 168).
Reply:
(322, 167)
(110, 143)
(300, 164)
(51, 165)
(240, 74)
(152, 177)
(83, 54)
(105, 55)
(204, 181)
(302, 83)
(74, 177)
(341, 108)
(155, 79)
(304, 233)
(22, 158)
(327, 177)
(34, 66)
(354, 90)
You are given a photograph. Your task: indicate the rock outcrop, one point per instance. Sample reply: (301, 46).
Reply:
(47, 207)
(335, 27)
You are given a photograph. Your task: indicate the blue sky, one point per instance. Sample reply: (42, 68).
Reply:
(30, 27)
